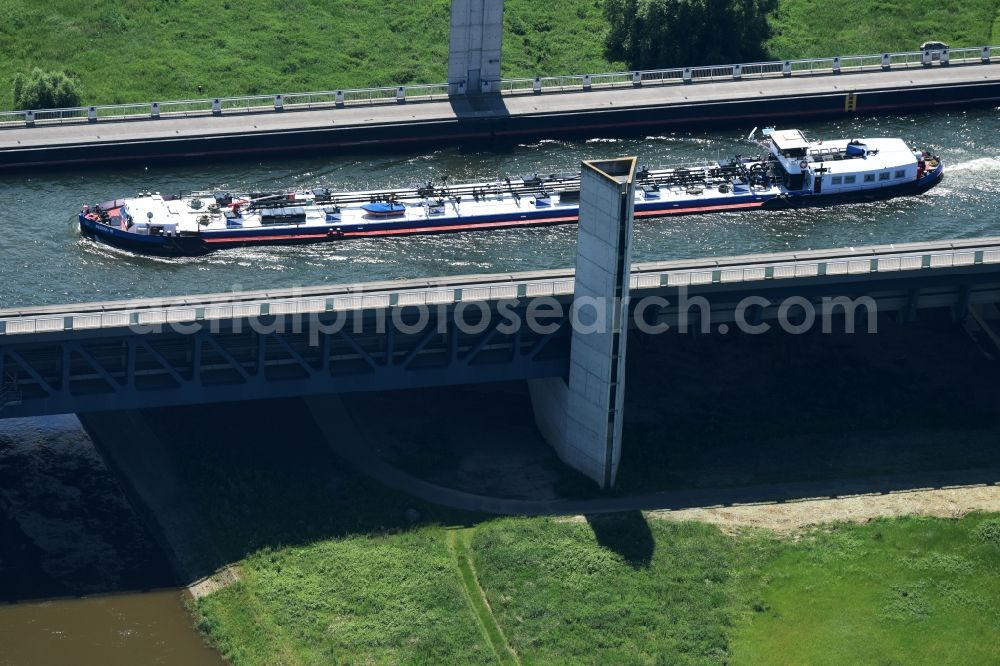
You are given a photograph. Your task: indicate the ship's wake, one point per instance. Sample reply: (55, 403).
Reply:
(978, 165)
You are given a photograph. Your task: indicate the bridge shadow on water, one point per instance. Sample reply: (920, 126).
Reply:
(66, 529)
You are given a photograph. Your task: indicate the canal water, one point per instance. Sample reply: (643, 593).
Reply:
(82, 581)
(43, 259)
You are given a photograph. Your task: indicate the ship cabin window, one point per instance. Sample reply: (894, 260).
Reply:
(850, 180)
(794, 153)
(900, 173)
(869, 178)
(837, 180)
(884, 175)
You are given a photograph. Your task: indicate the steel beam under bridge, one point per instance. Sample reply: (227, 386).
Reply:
(199, 349)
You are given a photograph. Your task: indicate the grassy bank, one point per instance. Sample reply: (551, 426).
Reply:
(615, 589)
(336, 569)
(379, 598)
(142, 50)
(913, 591)
(619, 589)
(805, 29)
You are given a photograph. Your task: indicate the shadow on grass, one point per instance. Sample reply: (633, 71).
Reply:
(625, 533)
(837, 409)
(261, 475)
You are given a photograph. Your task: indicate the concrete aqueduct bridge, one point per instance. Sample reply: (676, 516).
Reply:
(448, 331)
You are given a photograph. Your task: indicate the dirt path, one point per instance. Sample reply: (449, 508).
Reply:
(788, 517)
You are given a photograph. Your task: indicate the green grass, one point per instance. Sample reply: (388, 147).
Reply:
(617, 590)
(336, 569)
(813, 28)
(904, 591)
(383, 598)
(623, 590)
(145, 50)
(459, 541)
(913, 591)
(333, 568)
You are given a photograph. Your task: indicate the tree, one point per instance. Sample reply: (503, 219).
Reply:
(652, 34)
(45, 90)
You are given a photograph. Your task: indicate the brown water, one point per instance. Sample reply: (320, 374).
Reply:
(81, 579)
(128, 628)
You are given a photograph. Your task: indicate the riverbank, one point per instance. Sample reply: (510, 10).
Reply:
(81, 579)
(336, 568)
(146, 51)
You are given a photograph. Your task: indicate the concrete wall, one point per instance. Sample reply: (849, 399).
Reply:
(476, 37)
(582, 419)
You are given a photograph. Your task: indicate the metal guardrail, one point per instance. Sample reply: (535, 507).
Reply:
(880, 259)
(518, 86)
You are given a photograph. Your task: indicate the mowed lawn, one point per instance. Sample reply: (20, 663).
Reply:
(146, 50)
(624, 589)
(913, 591)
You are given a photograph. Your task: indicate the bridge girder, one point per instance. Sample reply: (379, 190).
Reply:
(248, 360)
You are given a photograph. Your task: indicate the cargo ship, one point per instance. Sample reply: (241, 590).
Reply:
(790, 171)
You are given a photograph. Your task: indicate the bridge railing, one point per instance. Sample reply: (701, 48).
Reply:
(645, 276)
(225, 105)
(516, 86)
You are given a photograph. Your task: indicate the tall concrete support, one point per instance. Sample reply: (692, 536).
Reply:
(582, 420)
(476, 36)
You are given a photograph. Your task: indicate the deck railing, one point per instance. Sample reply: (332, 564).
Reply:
(558, 283)
(518, 86)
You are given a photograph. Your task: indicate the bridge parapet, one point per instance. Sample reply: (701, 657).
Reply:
(390, 95)
(819, 264)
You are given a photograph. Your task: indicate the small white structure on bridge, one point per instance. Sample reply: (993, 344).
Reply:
(583, 420)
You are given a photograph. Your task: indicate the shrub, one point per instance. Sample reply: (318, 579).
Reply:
(45, 90)
(988, 531)
(651, 34)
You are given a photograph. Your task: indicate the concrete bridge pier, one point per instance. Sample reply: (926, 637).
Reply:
(582, 419)
(476, 36)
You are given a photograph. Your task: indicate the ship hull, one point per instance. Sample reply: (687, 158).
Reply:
(908, 189)
(195, 244)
